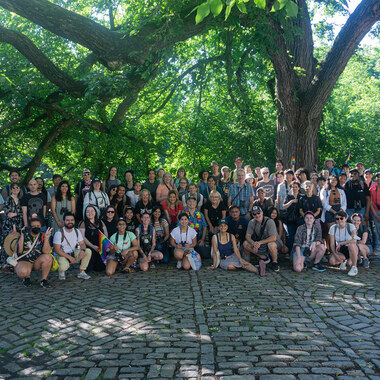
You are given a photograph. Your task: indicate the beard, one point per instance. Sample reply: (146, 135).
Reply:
(69, 226)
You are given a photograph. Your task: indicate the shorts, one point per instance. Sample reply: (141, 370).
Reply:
(230, 260)
(264, 250)
(305, 252)
(344, 251)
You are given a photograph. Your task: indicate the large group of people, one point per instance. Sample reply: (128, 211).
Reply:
(242, 218)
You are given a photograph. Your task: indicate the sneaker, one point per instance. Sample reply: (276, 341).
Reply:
(152, 266)
(366, 263)
(179, 264)
(353, 271)
(360, 261)
(62, 276)
(45, 284)
(343, 266)
(318, 267)
(275, 267)
(83, 275)
(262, 267)
(26, 282)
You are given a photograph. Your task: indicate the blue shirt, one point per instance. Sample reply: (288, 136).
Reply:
(241, 196)
(238, 228)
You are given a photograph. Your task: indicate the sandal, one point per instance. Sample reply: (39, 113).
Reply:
(128, 270)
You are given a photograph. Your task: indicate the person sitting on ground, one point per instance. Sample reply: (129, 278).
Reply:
(262, 239)
(145, 204)
(308, 244)
(198, 222)
(146, 237)
(237, 225)
(343, 247)
(36, 248)
(123, 252)
(273, 214)
(363, 244)
(183, 239)
(70, 247)
(224, 244)
(96, 197)
(263, 202)
(134, 195)
(193, 193)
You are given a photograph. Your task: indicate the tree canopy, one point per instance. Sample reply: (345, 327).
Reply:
(94, 83)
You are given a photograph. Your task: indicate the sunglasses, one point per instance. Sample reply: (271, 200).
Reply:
(339, 218)
(110, 212)
(256, 213)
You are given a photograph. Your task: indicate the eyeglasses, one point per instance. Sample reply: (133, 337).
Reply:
(339, 218)
(110, 212)
(86, 173)
(16, 188)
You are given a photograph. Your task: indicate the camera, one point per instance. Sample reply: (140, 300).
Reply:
(357, 205)
(182, 243)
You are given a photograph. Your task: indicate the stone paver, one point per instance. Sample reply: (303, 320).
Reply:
(170, 324)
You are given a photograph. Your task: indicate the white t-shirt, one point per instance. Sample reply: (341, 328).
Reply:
(186, 237)
(341, 234)
(133, 197)
(68, 247)
(97, 198)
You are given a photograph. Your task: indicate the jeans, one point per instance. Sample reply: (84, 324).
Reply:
(165, 251)
(351, 211)
(290, 230)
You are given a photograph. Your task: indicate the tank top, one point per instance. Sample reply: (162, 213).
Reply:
(226, 249)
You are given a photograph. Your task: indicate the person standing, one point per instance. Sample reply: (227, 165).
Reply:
(241, 194)
(81, 189)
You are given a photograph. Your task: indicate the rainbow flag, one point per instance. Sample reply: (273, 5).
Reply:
(348, 159)
(293, 160)
(104, 244)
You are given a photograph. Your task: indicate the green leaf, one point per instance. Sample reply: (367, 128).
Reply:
(260, 3)
(241, 7)
(204, 10)
(291, 9)
(229, 7)
(216, 7)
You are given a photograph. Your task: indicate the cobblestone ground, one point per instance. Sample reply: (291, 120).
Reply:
(172, 324)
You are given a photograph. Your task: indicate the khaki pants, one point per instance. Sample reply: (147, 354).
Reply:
(64, 264)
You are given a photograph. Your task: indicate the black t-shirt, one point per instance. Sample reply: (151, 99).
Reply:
(215, 214)
(355, 194)
(35, 205)
(140, 208)
(265, 206)
(132, 225)
(152, 187)
(238, 228)
(310, 204)
(111, 227)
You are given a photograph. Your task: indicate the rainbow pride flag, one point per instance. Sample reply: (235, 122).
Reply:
(104, 244)
(293, 160)
(348, 159)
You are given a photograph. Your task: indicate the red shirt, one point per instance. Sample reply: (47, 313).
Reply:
(375, 196)
(173, 212)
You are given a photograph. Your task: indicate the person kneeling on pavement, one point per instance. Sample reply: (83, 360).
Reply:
(224, 245)
(33, 253)
(262, 239)
(308, 244)
(343, 239)
(70, 247)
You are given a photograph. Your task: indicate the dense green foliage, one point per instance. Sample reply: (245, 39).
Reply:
(189, 113)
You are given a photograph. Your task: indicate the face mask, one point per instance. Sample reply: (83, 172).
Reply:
(36, 230)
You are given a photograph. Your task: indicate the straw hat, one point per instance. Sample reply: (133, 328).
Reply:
(10, 243)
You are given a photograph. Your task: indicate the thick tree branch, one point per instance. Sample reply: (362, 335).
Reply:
(357, 26)
(30, 51)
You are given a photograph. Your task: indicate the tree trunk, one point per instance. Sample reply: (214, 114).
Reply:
(297, 135)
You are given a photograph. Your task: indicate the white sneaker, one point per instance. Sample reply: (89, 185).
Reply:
(83, 275)
(343, 266)
(353, 271)
(62, 276)
(191, 261)
(179, 264)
